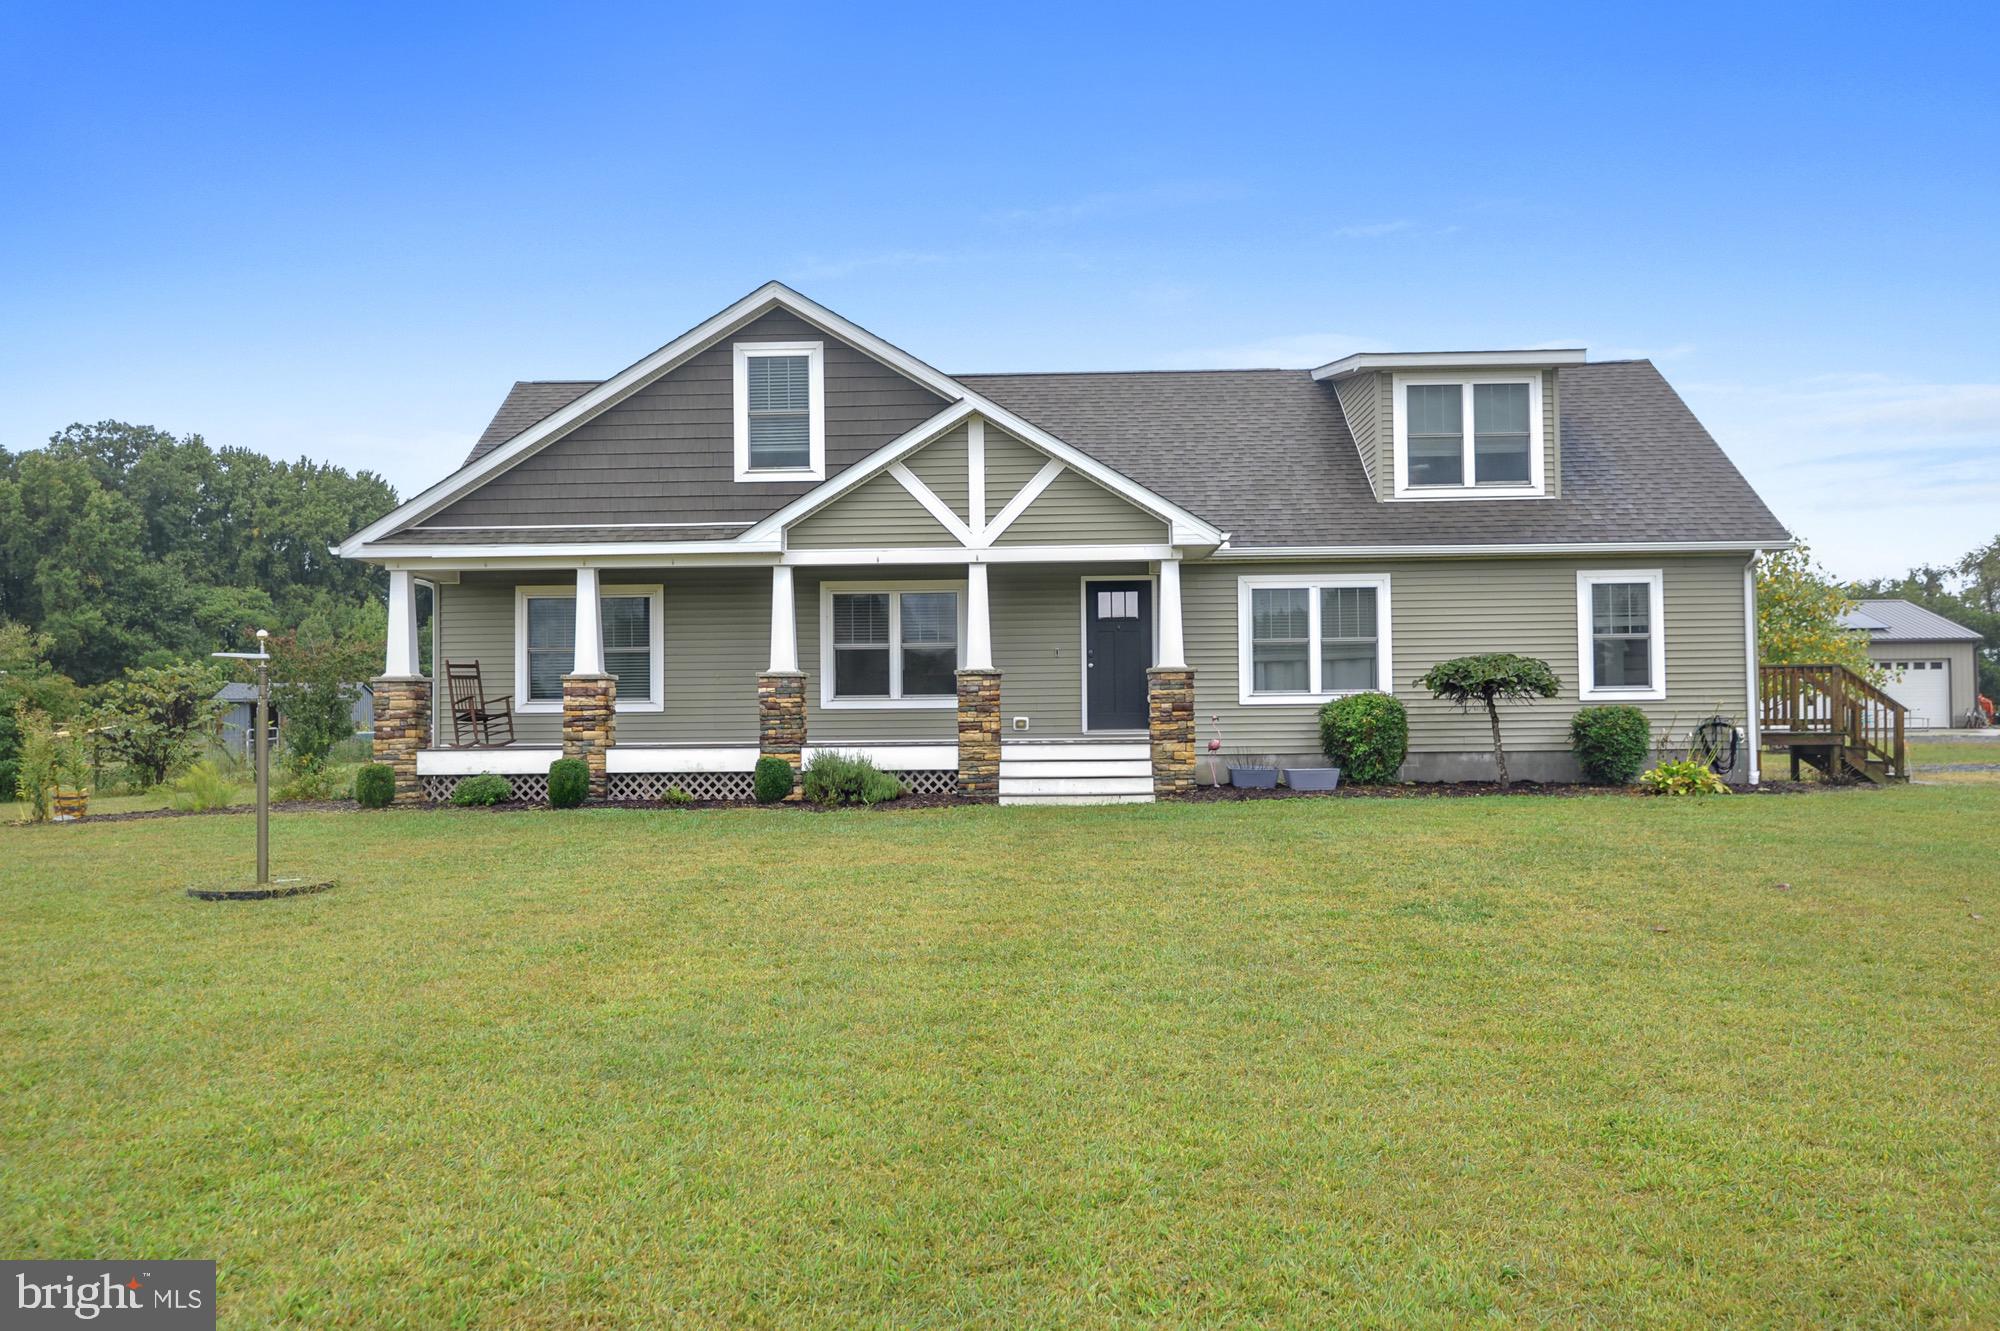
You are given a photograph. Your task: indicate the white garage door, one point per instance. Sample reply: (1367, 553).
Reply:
(1925, 688)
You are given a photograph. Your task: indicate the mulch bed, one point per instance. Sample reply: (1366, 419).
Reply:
(1468, 790)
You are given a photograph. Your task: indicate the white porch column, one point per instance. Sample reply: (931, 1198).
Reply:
(784, 626)
(402, 653)
(589, 627)
(1171, 653)
(978, 622)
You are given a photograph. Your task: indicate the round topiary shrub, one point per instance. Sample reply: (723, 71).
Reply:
(375, 786)
(569, 782)
(772, 780)
(486, 788)
(1365, 735)
(1610, 743)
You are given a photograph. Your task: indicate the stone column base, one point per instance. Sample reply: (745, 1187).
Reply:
(979, 733)
(402, 726)
(1170, 725)
(590, 723)
(781, 718)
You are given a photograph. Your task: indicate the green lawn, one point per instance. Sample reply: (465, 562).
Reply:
(1512, 1061)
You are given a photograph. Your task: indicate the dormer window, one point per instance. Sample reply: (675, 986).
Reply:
(780, 411)
(1468, 436)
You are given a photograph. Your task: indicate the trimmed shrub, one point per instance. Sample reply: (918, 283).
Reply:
(845, 778)
(375, 786)
(1365, 735)
(772, 780)
(1610, 743)
(486, 788)
(569, 782)
(676, 798)
(1683, 776)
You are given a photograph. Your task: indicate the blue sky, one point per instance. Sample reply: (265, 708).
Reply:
(343, 233)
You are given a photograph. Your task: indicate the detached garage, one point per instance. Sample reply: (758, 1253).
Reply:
(1929, 659)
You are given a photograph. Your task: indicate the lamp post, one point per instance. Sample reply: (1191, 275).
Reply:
(263, 723)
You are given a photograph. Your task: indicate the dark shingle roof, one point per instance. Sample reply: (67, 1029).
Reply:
(1266, 456)
(1906, 621)
(527, 402)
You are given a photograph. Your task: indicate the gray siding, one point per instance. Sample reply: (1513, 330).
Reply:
(877, 512)
(1361, 403)
(716, 624)
(944, 466)
(665, 453)
(1010, 464)
(1446, 608)
(1075, 510)
(1964, 669)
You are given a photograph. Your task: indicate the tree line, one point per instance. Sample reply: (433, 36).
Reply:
(127, 555)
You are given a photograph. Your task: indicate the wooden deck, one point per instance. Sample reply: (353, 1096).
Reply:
(1832, 719)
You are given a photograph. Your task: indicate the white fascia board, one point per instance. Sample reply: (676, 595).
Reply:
(512, 761)
(1431, 360)
(713, 758)
(1003, 554)
(596, 554)
(1459, 551)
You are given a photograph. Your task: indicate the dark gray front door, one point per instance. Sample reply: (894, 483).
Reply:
(1118, 646)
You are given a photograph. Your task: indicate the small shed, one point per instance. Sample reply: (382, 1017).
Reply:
(1930, 659)
(238, 720)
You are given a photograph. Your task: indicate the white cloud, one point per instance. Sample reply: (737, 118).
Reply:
(1880, 473)
(1297, 351)
(1119, 203)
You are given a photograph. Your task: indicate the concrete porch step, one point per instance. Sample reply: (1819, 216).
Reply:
(1077, 771)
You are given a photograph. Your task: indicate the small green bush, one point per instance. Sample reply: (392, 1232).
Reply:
(1683, 776)
(1365, 735)
(676, 798)
(773, 780)
(1610, 743)
(375, 786)
(845, 778)
(569, 782)
(202, 787)
(486, 788)
(304, 778)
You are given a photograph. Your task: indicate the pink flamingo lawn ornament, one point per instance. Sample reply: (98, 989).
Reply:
(1214, 748)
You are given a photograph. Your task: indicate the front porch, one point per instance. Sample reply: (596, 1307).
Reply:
(1067, 677)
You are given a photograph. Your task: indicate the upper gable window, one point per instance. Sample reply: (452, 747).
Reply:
(1468, 436)
(780, 411)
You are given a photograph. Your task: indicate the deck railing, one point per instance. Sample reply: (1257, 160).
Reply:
(1830, 702)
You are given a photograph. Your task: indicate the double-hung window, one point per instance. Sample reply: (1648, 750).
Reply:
(780, 396)
(1307, 639)
(890, 645)
(545, 645)
(1621, 641)
(1468, 436)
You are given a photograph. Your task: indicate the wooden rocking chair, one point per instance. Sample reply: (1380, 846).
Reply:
(472, 712)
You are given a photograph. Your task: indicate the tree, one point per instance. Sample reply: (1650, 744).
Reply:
(154, 717)
(316, 673)
(1492, 679)
(1966, 592)
(28, 684)
(1800, 610)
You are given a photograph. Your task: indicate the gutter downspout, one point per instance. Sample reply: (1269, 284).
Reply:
(1750, 662)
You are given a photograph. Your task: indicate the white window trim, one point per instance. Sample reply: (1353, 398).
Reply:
(894, 702)
(1384, 655)
(1655, 581)
(655, 620)
(1537, 475)
(815, 354)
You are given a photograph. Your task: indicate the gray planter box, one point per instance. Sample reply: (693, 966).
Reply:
(1312, 778)
(1253, 778)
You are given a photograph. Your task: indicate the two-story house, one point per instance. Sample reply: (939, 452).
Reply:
(779, 533)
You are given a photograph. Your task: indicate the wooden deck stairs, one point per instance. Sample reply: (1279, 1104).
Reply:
(1832, 719)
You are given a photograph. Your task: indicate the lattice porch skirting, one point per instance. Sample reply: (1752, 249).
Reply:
(708, 787)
